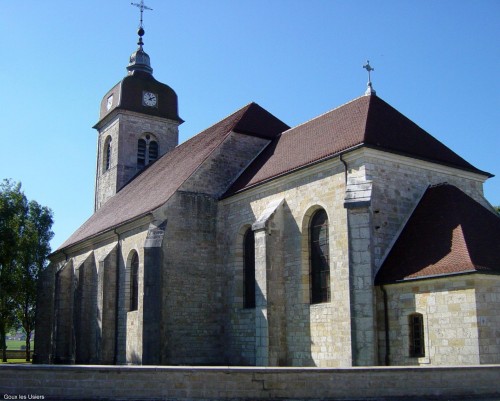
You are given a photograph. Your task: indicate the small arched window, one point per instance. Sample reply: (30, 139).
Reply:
(153, 151)
(134, 282)
(249, 269)
(141, 153)
(416, 326)
(319, 258)
(107, 154)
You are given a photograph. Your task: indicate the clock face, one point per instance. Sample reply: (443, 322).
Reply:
(149, 99)
(109, 102)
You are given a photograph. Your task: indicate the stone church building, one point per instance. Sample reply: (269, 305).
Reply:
(353, 239)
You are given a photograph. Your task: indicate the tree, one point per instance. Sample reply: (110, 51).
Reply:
(13, 206)
(25, 232)
(497, 208)
(34, 246)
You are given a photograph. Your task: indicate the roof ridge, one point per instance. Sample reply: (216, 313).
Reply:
(321, 115)
(247, 106)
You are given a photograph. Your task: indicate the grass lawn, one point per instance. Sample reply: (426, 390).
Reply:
(16, 344)
(13, 361)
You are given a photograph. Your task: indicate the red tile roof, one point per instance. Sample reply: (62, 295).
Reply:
(365, 121)
(157, 183)
(448, 233)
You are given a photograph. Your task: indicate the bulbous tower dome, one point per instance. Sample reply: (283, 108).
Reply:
(132, 92)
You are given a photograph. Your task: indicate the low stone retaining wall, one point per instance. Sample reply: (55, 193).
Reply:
(54, 382)
(16, 354)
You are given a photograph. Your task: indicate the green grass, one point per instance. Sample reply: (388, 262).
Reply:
(13, 361)
(16, 344)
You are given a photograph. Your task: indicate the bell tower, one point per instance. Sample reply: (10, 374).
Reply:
(138, 123)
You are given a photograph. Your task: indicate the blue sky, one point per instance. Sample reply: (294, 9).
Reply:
(437, 62)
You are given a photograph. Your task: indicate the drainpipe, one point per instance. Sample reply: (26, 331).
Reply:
(386, 327)
(345, 168)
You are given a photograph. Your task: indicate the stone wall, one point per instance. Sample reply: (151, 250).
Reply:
(314, 335)
(460, 317)
(192, 285)
(222, 383)
(45, 314)
(368, 196)
(488, 307)
(129, 336)
(398, 184)
(125, 130)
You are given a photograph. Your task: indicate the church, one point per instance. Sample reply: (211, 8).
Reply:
(353, 239)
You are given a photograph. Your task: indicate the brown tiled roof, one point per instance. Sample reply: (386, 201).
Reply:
(365, 121)
(448, 233)
(157, 183)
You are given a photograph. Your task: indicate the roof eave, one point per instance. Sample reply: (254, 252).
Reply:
(436, 276)
(138, 220)
(299, 168)
(472, 170)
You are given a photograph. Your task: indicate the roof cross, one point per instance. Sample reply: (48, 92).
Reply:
(141, 7)
(369, 68)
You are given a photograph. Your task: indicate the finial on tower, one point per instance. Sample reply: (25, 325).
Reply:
(369, 89)
(140, 31)
(139, 60)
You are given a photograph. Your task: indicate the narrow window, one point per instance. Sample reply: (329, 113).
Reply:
(107, 154)
(141, 153)
(417, 345)
(320, 260)
(134, 282)
(147, 151)
(249, 270)
(153, 151)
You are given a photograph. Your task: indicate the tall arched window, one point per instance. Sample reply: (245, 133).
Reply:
(319, 258)
(416, 326)
(107, 154)
(147, 151)
(249, 269)
(134, 282)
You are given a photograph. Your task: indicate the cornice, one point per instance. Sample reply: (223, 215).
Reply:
(349, 156)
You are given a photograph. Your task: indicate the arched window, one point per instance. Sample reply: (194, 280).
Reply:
(319, 258)
(153, 151)
(141, 153)
(107, 154)
(134, 282)
(416, 326)
(147, 151)
(249, 269)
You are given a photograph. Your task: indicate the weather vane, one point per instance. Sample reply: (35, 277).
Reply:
(141, 7)
(369, 68)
